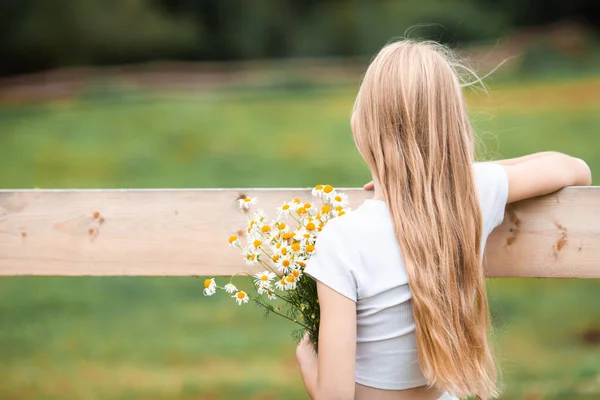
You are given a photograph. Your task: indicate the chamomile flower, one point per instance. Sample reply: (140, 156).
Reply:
(263, 277)
(289, 235)
(210, 287)
(300, 263)
(325, 210)
(284, 263)
(318, 191)
(265, 229)
(296, 247)
(284, 250)
(250, 255)
(311, 225)
(230, 288)
(296, 273)
(260, 216)
(234, 241)
(339, 200)
(246, 202)
(303, 210)
(241, 297)
(290, 282)
(271, 295)
(327, 190)
(306, 237)
(263, 287)
(296, 202)
(284, 210)
(281, 226)
(254, 228)
(281, 284)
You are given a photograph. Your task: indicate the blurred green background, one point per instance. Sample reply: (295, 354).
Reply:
(142, 94)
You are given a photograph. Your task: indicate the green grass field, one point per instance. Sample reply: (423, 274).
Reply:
(159, 338)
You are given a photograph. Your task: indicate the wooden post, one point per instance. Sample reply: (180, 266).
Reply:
(168, 232)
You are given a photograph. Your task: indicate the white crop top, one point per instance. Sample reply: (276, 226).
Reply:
(358, 256)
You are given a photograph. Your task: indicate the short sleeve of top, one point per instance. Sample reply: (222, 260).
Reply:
(492, 187)
(334, 261)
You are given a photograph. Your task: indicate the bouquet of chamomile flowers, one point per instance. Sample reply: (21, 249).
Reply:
(283, 247)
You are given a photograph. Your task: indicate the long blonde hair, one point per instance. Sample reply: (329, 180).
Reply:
(411, 126)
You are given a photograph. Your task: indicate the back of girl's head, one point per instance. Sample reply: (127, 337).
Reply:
(410, 125)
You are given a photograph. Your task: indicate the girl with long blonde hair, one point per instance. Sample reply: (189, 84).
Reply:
(404, 313)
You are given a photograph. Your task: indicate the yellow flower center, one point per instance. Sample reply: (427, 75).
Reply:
(328, 189)
(307, 205)
(266, 229)
(325, 209)
(285, 207)
(319, 187)
(310, 226)
(207, 283)
(284, 251)
(247, 199)
(310, 248)
(276, 257)
(301, 211)
(251, 257)
(297, 201)
(300, 263)
(306, 235)
(290, 278)
(232, 239)
(296, 246)
(281, 226)
(285, 263)
(257, 243)
(241, 295)
(339, 208)
(264, 278)
(338, 198)
(288, 235)
(341, 213)
(295, 273)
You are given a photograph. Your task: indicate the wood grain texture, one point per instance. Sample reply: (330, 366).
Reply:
(169, 232)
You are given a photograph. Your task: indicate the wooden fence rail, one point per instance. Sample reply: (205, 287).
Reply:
(181, 232)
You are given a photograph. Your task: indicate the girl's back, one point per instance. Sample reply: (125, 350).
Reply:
(373, 275)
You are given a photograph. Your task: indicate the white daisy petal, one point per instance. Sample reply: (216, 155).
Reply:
(230, 288)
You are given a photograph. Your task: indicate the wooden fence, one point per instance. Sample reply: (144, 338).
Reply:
(166, 232)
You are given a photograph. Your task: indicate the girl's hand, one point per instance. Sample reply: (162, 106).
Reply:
(309, 365)
(305, 354)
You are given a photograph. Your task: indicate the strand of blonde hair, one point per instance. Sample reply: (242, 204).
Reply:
(412, 129)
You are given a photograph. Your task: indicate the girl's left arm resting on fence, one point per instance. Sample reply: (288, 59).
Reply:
(330, 375)
(542, 175)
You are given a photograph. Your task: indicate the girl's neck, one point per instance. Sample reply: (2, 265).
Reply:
(378, 192)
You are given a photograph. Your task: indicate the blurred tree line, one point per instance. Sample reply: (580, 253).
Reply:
(43, 34)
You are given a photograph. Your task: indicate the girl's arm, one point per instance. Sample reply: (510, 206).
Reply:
(331, 374)
(544, 173)
(540, 173)
(528, 157)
